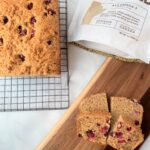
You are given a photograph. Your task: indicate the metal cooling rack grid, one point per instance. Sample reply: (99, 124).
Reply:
(39, 93)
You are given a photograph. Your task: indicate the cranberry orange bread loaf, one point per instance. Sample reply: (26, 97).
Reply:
(29, 37)
(124, 135)
(94, 126)
(94, 103)
(127, 108)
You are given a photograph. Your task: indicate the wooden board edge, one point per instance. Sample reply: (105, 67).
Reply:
(52, 132)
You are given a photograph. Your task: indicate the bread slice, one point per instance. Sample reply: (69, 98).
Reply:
(94, 127)
(127, 108)
(94, 103)
(124, 135)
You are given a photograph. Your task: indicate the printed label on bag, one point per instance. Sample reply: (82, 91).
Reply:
(126, 17)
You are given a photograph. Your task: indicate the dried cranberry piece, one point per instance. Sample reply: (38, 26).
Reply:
(56, 34)
(32, 33)
(90, 134)
(30, 6)
(45, 13)
(136, 122)
(49, 42)
(79, 135)
(1, 41)
(129, 128)
(129, 140)
(119, 125)
(19, 27)
(47, 2)
(98, 124)
(119, 134)
(121, 141)
(21, 31)
(104, 130)
(5, 19)
(51, 12)
(32, 20)
(21, 57)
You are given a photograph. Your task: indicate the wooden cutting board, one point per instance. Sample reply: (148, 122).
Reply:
(115, 77)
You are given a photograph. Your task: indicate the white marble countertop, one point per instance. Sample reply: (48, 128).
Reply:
(25, 130)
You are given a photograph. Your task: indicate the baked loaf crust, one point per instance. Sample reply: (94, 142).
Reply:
(127, 108)
(94, 127)
(94, 103)
(29, 37)
(124, 135)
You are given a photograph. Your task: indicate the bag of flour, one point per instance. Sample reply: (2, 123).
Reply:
(116, 27)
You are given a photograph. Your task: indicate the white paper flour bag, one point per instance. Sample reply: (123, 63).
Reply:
(117, 27)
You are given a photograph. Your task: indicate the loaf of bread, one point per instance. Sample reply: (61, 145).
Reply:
(94, 127)
(94, 103)
(29, 37)
(124, 135)
(128, 108)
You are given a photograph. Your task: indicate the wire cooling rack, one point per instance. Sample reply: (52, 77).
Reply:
(39, 93)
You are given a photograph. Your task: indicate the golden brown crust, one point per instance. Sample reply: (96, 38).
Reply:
(29, 37)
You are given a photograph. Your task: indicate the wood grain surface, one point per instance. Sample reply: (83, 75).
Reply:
(115, 77)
